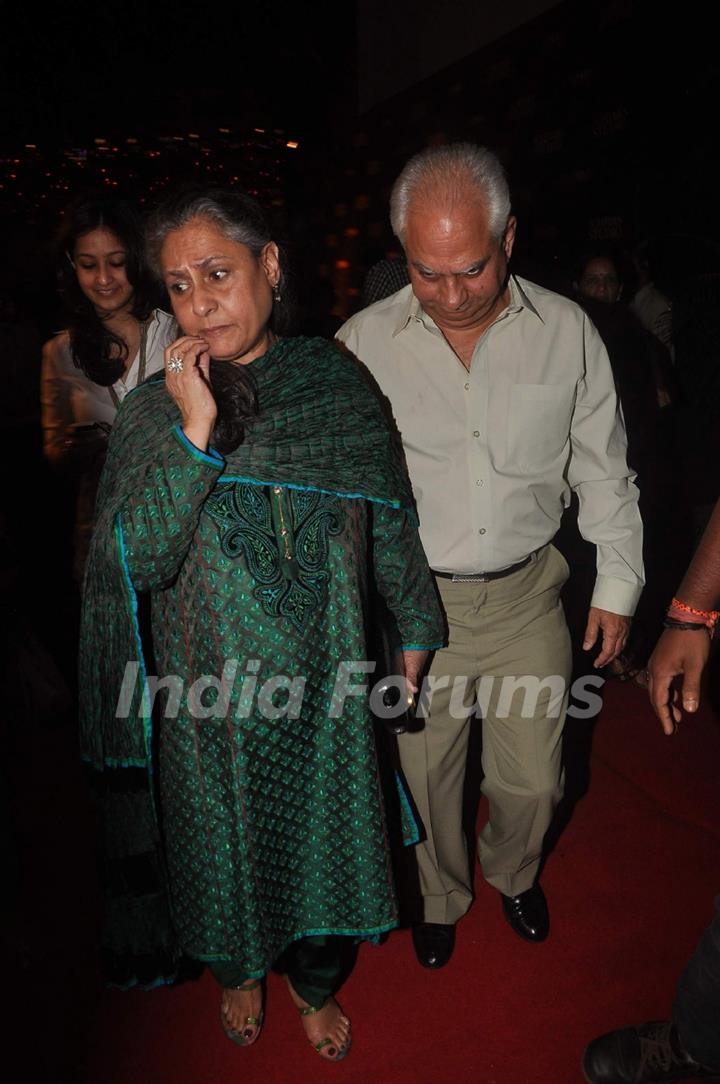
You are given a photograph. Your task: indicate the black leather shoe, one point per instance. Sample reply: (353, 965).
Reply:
(434, 943)
(641, 1055)
(528, 914)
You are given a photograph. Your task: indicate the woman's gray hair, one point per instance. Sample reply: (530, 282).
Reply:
(238, 216)
(449, 171)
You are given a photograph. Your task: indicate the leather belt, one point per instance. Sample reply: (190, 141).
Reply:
(482, 577)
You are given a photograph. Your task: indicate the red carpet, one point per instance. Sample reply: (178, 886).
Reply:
(630, 885)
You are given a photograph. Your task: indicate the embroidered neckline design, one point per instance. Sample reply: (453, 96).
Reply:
(284, 536)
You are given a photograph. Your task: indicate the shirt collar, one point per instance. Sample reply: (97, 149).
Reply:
(411, 309)
(519, 299)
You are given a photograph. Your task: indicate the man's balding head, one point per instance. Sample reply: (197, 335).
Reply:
(447, 177)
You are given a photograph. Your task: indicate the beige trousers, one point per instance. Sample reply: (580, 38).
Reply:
(512, 629)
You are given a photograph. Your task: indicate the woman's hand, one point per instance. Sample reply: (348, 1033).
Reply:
(189, 385)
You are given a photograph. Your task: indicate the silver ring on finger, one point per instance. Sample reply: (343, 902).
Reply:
(175, 363)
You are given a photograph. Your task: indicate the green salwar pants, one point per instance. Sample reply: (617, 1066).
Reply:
(316, 967)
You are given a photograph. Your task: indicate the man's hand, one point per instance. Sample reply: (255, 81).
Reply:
(614, 629)
(413, 663)
(677, 654)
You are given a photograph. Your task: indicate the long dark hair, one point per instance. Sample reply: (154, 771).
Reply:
(240, 219)
(98, 351)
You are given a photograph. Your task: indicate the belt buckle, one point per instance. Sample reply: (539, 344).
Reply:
(477, 577)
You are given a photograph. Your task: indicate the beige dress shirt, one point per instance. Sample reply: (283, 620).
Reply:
(493, 452)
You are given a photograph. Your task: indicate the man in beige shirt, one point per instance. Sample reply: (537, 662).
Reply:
(504, 397)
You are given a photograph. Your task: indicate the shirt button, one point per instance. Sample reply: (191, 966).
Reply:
(467, 387)
(481, 531)
(479, 482)
(476, 432)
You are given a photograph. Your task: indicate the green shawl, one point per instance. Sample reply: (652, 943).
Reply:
(321, 426)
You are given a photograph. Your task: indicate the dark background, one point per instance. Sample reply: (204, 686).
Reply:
(603, 114)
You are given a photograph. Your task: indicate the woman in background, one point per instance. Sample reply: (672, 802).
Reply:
(114, 339)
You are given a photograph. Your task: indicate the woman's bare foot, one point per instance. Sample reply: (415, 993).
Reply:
(241, 1012)
(328, 1029)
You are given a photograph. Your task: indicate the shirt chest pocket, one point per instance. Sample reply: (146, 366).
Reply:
(538, 426)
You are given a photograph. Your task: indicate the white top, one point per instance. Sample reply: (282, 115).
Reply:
(654, 311)
(70, 399)
(494, 451)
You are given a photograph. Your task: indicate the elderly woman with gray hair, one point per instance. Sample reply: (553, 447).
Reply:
(254, 492)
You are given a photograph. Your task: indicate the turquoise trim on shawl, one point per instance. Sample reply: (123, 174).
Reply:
(135, 984)
(212, 456)
(408, 822)
(421, 647)
(112, 762)
(145, 714)
(312, 489)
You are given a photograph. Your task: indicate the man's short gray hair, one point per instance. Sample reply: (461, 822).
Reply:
(449, 171)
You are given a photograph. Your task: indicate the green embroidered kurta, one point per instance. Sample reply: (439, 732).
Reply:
(259, 568)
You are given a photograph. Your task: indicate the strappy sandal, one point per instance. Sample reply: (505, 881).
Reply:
(242, 1038)
(327, 1044)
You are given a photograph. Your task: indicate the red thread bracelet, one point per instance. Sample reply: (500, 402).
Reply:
(709, 617)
